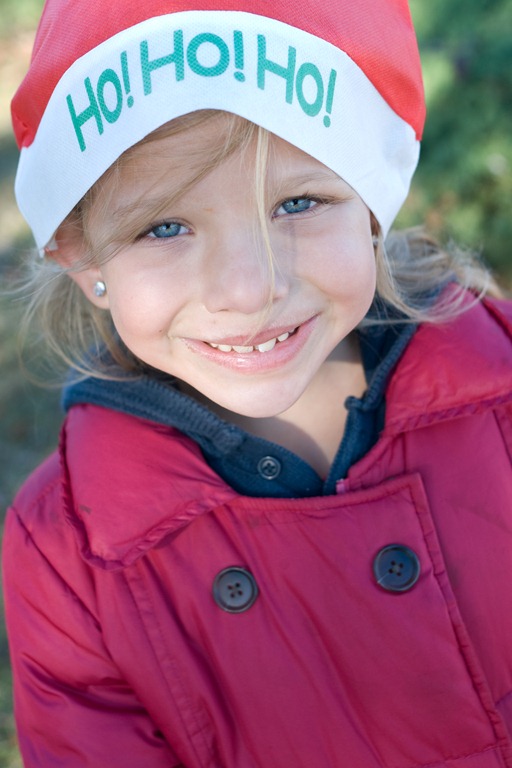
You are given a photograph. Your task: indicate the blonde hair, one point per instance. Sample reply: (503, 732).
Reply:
(412, 268)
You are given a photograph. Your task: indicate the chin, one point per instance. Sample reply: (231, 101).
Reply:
(259, 406)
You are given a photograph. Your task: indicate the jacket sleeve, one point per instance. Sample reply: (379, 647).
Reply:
(72, 707)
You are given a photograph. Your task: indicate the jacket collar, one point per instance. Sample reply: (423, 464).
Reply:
(158, 485)
(154, 485)
(453, 368)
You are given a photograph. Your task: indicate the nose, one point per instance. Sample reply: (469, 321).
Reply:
(241, 274)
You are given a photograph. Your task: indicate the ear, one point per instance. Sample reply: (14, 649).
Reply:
(67, 251)
(376, 231)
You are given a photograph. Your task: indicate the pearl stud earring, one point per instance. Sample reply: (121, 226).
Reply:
(99, 289)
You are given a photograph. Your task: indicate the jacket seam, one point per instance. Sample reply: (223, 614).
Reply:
(56, 573)
(504, 423)
(247, 505)
(441, 764)
(503, 698)
(461, 634)
(409, 423)
(51, 486)
(156, 619)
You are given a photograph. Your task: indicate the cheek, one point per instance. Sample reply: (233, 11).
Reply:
(139, 309)
(147, 290)
(349, 274)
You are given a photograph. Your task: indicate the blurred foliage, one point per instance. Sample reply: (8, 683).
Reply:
(29, 415)
(463, 186)
(18, 15)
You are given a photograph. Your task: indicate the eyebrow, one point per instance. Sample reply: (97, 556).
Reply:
(306, 178)
(146, 206)
(140, 206)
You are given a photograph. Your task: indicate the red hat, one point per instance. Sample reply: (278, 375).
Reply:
(338, 79)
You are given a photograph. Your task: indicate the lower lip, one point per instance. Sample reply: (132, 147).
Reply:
(256, 362)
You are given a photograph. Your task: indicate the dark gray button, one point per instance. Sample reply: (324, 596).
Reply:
(235, 590)
(396, 568)
(269, 467)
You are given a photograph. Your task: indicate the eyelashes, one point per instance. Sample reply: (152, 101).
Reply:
(295, 205)
(166, 229)
(304, 204)
(290, 207)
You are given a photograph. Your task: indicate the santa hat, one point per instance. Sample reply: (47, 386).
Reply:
(340, 80)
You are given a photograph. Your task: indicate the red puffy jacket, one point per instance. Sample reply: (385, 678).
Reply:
(158, 618)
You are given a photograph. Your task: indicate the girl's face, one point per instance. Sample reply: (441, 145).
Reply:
(193, 294)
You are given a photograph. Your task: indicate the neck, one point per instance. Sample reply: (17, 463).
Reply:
(313, 427)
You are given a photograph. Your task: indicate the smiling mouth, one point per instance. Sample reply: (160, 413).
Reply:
(266, 346)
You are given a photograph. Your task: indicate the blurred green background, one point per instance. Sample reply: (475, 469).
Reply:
(462, 190)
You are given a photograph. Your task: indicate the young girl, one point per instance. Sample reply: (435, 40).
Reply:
(278, 528)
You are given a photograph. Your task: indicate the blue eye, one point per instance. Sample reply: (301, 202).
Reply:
(296, 205)
(167, 229)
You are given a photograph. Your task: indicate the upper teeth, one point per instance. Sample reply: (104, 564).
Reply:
(265, 347)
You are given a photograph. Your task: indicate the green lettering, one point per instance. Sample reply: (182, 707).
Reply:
(177, 58)
(110, 76)
(304, 70)
(92, 110)
(265, 65)
(200, 69)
